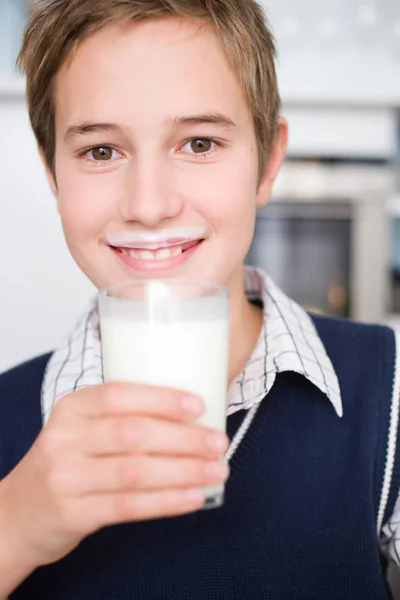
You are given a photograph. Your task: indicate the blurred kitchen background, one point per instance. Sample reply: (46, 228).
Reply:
(331, 235)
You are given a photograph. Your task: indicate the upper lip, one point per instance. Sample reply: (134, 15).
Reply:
(156, 245)
(154, 241)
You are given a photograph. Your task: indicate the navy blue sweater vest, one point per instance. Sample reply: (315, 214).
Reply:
(299, 521)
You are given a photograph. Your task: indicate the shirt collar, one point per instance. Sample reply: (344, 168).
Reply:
(288, 341)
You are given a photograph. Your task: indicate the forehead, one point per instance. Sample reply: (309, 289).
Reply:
(163, 68)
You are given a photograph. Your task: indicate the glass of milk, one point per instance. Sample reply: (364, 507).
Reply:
(174, 334)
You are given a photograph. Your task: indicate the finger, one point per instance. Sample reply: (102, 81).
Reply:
(118, 399)
(113, 509)
(145, 473)
(144, 435)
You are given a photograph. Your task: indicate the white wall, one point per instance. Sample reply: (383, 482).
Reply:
(339, 49)
(42, 291)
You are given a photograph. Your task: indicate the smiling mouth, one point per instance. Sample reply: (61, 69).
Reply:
(160, 254)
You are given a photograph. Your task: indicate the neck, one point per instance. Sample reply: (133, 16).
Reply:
(245, 327)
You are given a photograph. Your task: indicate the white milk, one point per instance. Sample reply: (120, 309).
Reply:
(189, 355)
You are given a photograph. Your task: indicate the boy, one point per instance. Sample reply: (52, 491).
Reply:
(160, 115)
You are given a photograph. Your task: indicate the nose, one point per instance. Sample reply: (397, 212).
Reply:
(151, 194)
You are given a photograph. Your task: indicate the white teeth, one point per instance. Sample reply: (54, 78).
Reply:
(166, 253)
(163, 254)
(125, 252)
(146, 255)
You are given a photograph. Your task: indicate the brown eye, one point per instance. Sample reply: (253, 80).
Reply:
(201, 146)
(102, 153)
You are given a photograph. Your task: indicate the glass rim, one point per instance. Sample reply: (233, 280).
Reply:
(173, 282)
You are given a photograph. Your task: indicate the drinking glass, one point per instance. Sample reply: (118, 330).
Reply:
(174, 334)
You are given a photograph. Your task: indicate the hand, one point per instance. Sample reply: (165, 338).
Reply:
(109, 454)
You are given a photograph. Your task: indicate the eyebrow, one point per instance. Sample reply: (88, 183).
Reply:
(75, 131)
(87, 127)
(218, 119)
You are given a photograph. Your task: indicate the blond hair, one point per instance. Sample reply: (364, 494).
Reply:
(58, 26)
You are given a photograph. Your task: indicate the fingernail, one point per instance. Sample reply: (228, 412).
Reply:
(217, 442)
(217, 470)
(195, 496)
(193, 405)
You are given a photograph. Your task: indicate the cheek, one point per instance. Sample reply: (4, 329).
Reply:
(84, 206)
(231, 198)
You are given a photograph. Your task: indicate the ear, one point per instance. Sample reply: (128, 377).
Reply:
(49, 174)
(274, 163)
